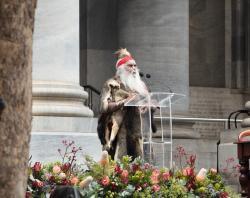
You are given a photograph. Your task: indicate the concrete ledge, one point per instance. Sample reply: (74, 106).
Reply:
(44, 145)
(64, 124)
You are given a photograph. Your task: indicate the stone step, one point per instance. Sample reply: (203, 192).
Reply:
(44, 145)
(64, 124)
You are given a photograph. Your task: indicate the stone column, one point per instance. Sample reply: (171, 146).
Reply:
(156, 32)
(238, 43)
(58, 99)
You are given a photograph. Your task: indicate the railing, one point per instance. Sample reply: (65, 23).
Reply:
(90, 89)
(193, 119)
(189, 119)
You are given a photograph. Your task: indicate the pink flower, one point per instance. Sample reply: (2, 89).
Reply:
(213, 171)
(187, 171)
(56, 169)
(37, 166)
(156, 172)
(155, 176)
(74, 180)
(156, 188)
(124, 174)
(146, 165)
(62, 175)
(165, 176)
(201, 175)
(105, 181)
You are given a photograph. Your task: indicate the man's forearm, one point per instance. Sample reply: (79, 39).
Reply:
(114, 106)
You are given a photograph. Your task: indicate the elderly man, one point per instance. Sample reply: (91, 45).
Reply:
(114, 116)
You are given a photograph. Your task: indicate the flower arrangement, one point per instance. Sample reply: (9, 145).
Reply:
(43, 178)
(127, 178)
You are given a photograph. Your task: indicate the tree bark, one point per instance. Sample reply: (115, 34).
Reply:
(16, 30)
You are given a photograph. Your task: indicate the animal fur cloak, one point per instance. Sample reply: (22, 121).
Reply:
(128, 140)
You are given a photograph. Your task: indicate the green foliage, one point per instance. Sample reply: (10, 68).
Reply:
(127, 178)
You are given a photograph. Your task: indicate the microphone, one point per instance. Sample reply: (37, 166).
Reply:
(149, 76)
(141, 74)
(146, 75)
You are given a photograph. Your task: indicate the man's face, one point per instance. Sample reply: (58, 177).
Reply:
(131, 68)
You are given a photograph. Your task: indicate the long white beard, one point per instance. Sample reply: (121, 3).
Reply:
(132, 81)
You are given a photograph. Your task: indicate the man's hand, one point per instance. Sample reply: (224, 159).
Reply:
(131, 95)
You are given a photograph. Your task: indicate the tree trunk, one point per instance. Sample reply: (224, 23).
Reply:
(16, 30)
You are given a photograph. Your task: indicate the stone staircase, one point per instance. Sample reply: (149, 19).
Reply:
(45, 140)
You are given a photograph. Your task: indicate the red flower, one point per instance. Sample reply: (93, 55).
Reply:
(52, 179)
(37, 167)
(156, 188)
(135, 167)
(125, 180)
(188, 171)
(105, 181)
(28, 195)
(113, 185)
(65, 182)
(65, 167)
(138, 188)
(118, 169)
(224, 195)
(37, 183)
(191, 160)
(190, 185)
(181, 151)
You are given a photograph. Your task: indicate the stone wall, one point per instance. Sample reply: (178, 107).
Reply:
(213, 103)
(157, 34)
(99, 26)
(207, 43)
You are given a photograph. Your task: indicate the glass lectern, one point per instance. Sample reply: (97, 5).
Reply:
(155, 147)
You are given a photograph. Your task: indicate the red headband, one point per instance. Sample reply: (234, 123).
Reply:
(123, 60)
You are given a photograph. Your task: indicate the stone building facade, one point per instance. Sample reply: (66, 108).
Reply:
(195, 47)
